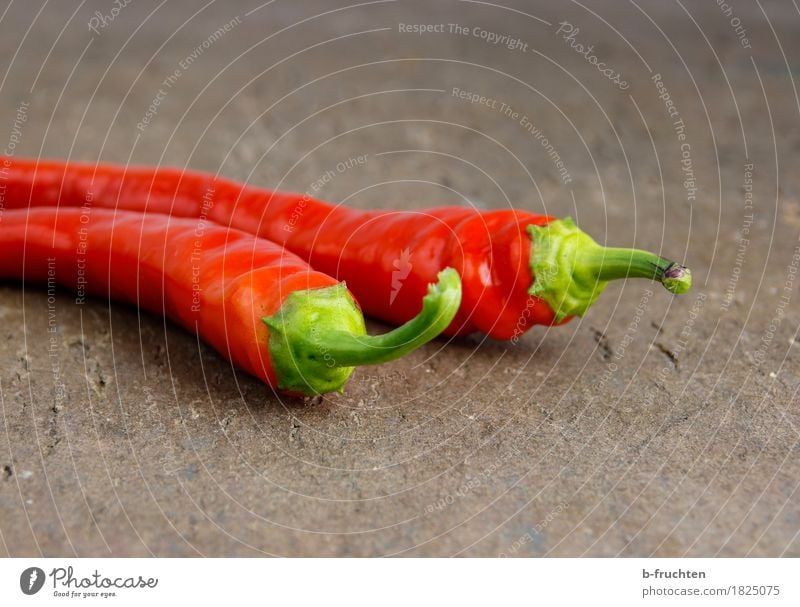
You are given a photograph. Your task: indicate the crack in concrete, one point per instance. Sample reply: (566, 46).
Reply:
(52, 431)
(668, 353)
(602, 340)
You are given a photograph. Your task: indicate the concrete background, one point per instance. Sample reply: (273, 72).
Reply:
(653, 426)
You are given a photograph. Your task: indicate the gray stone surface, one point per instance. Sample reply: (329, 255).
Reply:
(653, 426)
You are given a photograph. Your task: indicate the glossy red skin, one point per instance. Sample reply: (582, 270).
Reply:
(490, 249)
(149, 261)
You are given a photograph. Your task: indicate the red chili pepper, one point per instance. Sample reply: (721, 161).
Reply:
(258, 305)
(518, 269)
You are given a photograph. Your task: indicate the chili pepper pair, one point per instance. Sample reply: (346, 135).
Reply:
(517, 269)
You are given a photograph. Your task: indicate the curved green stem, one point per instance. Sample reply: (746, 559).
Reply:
(318, 336)
(439, 307)
(570, 270)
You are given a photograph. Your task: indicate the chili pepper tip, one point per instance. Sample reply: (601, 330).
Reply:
(677, 279)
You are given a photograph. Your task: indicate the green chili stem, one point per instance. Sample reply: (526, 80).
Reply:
(612, 263)
(570, 269)
(439, 307)
(318, 336)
